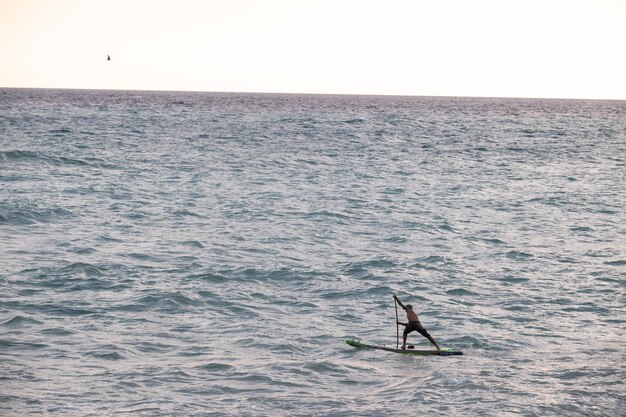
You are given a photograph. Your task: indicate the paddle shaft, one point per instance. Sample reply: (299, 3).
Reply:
(395, 302)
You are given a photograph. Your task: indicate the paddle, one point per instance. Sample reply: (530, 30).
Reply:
(395, 303)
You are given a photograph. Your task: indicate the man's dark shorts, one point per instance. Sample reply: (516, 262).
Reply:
(415, 326)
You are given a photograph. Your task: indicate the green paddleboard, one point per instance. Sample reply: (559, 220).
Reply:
(409, 351)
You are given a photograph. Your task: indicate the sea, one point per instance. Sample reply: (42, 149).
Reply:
(208, 254)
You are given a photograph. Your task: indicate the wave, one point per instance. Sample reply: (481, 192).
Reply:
(193, 244)
(328, 214)
(518, 255)
(171, 302)
(83, 269)
(29, 215)
(513, 279)
(19, 321)
(80, 276)
(215, 367)
(21, 156)
(367, 269)
(186, 213)
(108, 352)
(494, 241)
(461, 292)
(60, 132)
(210, 277)
(356, 120)
(432, 262)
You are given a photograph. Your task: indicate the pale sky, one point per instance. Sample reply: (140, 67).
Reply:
(497, 48)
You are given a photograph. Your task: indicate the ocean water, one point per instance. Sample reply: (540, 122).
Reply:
(195, 254)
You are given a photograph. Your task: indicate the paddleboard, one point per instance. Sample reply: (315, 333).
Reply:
(409, 351)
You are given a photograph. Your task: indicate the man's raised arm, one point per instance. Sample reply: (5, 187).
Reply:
(399, 302)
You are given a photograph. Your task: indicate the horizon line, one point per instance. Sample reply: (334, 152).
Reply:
(313, 94)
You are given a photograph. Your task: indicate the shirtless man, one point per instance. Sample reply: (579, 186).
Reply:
(413, 324)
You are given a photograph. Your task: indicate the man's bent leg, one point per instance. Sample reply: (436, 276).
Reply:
(424, 333)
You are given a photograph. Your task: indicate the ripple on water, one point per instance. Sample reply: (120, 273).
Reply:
(18, 322)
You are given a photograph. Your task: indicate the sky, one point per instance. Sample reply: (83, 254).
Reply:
(479, 48)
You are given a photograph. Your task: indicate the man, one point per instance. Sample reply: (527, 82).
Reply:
(413, 324)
